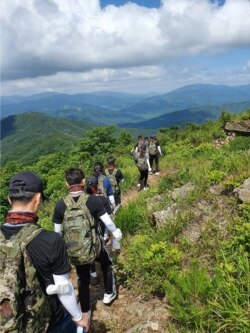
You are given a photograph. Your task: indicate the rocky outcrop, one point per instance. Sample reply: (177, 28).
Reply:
(239, 127)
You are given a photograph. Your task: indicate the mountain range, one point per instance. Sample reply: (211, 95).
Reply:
(36, 125)
(104, 108)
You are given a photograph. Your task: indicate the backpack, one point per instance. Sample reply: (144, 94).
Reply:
(24, 308)
(101, 189)
(80, 232)
(112, 179)
(152, 148)
(142, 163)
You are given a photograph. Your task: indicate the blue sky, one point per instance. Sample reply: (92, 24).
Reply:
(116, 45)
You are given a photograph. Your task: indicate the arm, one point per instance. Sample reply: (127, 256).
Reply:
(159, 150)
(111, 226)
(65, 292)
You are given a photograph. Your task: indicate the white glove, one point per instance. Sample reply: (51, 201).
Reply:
(61, 289)
(117, 234)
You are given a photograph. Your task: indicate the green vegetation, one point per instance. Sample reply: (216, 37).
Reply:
(198, 258)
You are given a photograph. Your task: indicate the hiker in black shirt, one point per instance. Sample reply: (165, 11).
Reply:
(75, 182)
(47, 253)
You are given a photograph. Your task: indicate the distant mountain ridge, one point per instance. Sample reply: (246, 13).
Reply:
(102, 108)
(197, 115)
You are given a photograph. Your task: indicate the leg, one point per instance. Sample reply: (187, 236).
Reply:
(156, 163)
(67, 325)
(145, 178)
(151, 161)
(108, 276)
(141, 179)
(83, 273)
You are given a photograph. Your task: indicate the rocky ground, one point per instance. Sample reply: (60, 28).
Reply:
(129, 313)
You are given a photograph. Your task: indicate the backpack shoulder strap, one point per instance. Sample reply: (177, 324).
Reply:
(24, 236)
(70, 203)
(27, 234)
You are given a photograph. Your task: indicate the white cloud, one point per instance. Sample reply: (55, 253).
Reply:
(43, 38)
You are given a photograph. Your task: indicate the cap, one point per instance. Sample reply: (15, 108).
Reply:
(91, 180)
(26, 181)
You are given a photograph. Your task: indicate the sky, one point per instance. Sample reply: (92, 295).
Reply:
(137, 46)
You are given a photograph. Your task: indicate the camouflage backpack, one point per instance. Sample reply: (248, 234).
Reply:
(23, 306)
(142, 163)
(112, 179)
(101, 189)
(80, 232)
(152, 148)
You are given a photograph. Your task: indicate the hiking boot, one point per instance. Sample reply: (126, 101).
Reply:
(94, 280)
(108, 298)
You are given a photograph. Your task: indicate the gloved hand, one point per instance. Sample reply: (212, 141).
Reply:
(60, 289)
(117, 234)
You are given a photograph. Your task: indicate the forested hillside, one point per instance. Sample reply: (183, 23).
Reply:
(186, 240)
(28, 136)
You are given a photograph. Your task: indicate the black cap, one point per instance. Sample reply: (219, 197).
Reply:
(91, 180)
(26, 181)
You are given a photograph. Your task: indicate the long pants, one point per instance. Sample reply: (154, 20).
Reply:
(83, 273)
(143, 180)
(67, 325)
(152, 159)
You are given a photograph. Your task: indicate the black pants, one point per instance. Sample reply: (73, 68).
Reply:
(152, 159)
(143, 180)
(83, 273)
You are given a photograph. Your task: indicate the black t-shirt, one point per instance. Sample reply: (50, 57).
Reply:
(94, 203)
(49, 256)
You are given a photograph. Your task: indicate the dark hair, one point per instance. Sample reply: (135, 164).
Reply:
(74, 176)
(98, 167)
(139, 137)
(111, 160)
(21, 195)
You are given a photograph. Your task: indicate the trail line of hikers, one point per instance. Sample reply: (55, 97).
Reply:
(36, 293)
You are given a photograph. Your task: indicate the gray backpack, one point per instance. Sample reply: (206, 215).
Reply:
(80, 232)
(112, 179)
(152, 148)
(142, 163)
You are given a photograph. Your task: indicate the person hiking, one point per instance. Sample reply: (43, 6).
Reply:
(137, 147)
(116, 177)
(41, 255)
(92, 189)
(104, 184)
(143, 165)
(154, 151)
(75, 183)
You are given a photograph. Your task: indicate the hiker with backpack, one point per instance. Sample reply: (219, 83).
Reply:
(154, 151)
(116, 177)
(104, 184)
(75, 218)
(92, 189)
(36, 294)
(142, 162)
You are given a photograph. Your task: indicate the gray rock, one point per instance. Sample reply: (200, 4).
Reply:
(243, 191)
(182, 192)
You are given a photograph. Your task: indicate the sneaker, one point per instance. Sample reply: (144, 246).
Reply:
(108, 298)
(138, 186)
(94, 280)
(145, 188)
(157, 173)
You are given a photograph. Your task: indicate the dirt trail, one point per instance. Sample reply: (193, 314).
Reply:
(132, 194)
(128, 313)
